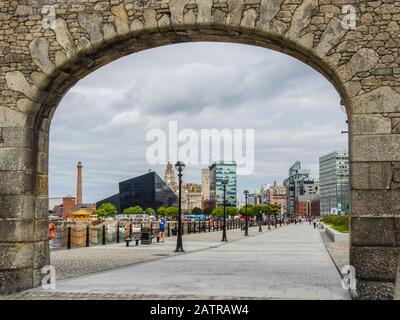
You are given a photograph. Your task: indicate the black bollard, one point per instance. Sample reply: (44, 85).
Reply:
(104, 235)
(69, 238)
(118, 232)
(87, 236)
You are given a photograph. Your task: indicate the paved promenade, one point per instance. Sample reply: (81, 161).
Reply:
(80, 261)
(286, 263)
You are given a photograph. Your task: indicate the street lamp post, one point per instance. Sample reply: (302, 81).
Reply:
(246, 232)
(179, 166)
(259, 222)
(224, 184)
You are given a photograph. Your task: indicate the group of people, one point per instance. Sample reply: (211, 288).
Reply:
(312, 221)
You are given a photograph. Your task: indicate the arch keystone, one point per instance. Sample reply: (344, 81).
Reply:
(236, 8)
(249, 19)
(204, 11)
(177, 7)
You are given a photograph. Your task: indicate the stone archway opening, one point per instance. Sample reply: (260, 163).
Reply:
(67, 41)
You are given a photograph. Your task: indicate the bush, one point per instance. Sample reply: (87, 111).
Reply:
(339, 223)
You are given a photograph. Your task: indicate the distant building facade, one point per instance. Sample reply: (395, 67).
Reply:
(147, 191)
(252, 199)
(305, 193)
(191, 197)
(219, 172)
(297, 177)
(276, 195)
(205, 188)
(334, 177)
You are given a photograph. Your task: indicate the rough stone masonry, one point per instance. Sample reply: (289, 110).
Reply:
(46, 46)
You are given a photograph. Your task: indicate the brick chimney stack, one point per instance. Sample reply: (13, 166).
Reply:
(79, 185)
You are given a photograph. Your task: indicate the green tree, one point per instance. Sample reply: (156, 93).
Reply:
(161, 211)
(172, 211)
(231, 211)
(133, 210)
(250, 210)
(106, 210)
(150, 211)
(218, 212)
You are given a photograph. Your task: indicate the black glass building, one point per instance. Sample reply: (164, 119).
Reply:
(147, 191)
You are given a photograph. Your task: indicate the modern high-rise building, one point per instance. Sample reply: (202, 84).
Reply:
(296, 179)
(219, 172)
(306, 192)
(334, 177)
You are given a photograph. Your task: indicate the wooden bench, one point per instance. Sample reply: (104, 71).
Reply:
(135, 237)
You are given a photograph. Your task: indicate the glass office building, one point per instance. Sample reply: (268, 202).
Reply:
(147, 191)
(219, 172)
(334, 179)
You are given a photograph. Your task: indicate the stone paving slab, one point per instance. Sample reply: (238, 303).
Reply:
(289, 263)
(79, 261)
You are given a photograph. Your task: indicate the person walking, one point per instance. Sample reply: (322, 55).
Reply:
(162, 228)
(315, 223)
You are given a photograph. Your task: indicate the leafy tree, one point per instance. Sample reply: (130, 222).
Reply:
(172, 211)
(218, 212)
(133, 210)
(161, 211)
(250, 210)
(106, 210)
(231, 211)
(150, 211)
(197, 210)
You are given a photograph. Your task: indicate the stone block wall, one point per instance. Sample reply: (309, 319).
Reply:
(46, 46)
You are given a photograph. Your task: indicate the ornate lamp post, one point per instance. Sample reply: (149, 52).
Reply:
(246, 232)
(260, 222)
(179, 166)
(224, 184)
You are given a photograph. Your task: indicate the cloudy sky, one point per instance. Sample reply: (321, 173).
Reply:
(103, 121)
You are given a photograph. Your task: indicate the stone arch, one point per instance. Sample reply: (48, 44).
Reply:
(45, 50)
